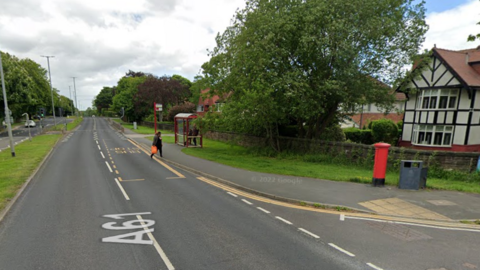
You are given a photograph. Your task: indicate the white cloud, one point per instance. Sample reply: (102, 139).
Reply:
(98, 41)
(450, 29)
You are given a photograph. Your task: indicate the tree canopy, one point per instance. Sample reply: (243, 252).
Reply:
(28, 88)
(304, 62)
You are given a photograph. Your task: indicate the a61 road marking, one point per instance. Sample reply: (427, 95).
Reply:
(138, 223)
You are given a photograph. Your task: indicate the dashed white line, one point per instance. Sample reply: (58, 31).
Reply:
(341, 249)
(234, 195)
(157, 246)
(123, 190)
(309, 233)
(374, 266)
(102, 154)
(284, 220)
(108, 165)
(247, 202)
(96, 142)
(261, 209)
(99, 147)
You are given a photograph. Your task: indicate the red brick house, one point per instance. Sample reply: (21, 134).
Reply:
(206, 103)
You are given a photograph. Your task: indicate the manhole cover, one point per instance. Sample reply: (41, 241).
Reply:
(399, 231)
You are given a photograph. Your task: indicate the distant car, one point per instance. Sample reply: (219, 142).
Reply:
(30, 123)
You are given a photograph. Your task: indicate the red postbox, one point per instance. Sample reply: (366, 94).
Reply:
(380, 166)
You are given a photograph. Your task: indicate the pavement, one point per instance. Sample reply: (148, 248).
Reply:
(388, 201)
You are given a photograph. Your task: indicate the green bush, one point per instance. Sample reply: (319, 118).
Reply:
(333, 133)
(363, 136)
(385, 130)
(400, 124)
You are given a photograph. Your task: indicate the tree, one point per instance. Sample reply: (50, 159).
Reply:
(164, 90)
(474, 37)
(104, 99)
(126, 89)
(295, 60)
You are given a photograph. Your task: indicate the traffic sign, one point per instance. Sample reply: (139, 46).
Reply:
(158, 107)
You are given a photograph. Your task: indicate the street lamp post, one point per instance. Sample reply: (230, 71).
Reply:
(51, 88)
(75, 94)
(7, 111)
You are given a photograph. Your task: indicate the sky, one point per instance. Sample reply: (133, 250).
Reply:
(98, 41)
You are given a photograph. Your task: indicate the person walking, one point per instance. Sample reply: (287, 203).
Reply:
(157, 141)
(195, 133)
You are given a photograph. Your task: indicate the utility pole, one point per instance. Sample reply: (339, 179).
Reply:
(51, 88)
(7, 111)
(75, 94)
(70, 91)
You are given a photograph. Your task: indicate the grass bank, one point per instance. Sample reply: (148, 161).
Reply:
(14, 171)
(315, 166)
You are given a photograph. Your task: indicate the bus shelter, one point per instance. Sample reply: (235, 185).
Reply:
(186, 133)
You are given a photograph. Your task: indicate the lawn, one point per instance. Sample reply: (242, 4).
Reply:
(14, 171)
(144, 129)
(244, 158)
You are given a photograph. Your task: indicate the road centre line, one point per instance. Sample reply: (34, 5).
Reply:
(108, 165)
(234, 195)
(157, 246)
(247, 202)
(102, 154)
(263, 210)
(99, 147)
(309, 233)
(284, 220)
(123, 190)
(374, 266)
(96, 142)
(341, 249)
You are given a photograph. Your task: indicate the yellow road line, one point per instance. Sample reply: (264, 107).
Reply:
(327, 211)
(132, 180)
(159, 161)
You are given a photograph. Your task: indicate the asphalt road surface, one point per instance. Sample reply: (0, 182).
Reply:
(77, 214)
(21, 133)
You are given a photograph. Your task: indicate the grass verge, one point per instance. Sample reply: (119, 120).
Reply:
(14, 171)
(295, 165)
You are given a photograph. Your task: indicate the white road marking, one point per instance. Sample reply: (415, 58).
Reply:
(157, 247)
(102, 154)
(96, 142)
(309, 233)
(261, 209)
(247, 202)
(234, 195)
(341, 249)
(374, 266)
(123, 190)
(418, 225)
(342, 217)
(99, 147)
(284, 220)
(108, 165)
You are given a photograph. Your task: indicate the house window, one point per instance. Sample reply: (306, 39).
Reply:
(434, 99)
(432, 135)
(200, 108)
